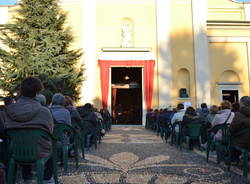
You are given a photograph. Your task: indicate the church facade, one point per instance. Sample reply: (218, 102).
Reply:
(160, 52)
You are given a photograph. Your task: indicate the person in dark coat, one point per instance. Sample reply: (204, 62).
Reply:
(240, 122)
(27, 112)
(164, 122)
(89, 119)
(203, 112)
(76, 119)
(190, 116)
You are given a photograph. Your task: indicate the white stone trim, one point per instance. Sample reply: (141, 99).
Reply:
(228, 39)
(247, 12)
(144, 110)
(229, 86)
(126, 56)
(4, 15)
(71, 1)
(248, 60)
(202, 63)
(89, 49)
(225, 7)
(164, 60)
(142, 2)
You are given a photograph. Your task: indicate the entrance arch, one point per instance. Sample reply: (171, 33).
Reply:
(148, 73)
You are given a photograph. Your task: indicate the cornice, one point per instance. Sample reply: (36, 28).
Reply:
(125, 1)
(235, 1)
(228, 24)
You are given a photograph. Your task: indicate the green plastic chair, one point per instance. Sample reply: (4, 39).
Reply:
(176, 136)
(23, 148)
(224, 128)
(88, 131)
(59, 130)
(245, 151)
(193, 133)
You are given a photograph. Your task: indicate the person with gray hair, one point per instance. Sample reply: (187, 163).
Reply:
(241, 121)
(42, 99)
(59, 113)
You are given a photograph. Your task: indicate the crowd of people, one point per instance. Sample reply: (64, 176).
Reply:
(30, 110)
(237, 115)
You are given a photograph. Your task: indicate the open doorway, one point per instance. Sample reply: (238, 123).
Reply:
(126, 95)
(230, 95)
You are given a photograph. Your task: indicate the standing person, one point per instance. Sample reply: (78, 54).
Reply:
(27, 112)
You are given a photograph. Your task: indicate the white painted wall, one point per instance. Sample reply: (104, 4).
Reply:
(89, 49)
(163, 9)
(247, 11)
(202, 63)
(3, 15)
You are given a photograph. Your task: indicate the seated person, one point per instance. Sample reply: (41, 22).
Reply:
(90, 121)
(213, 110)
(190, 116)
(76, 119)
(224, 116)
(240, 122)
(27, 112)
(178, 116)
(60, 114)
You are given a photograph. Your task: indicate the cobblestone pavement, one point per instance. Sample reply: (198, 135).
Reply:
(134, 155)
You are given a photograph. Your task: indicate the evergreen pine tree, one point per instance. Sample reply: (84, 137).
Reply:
(38, 44)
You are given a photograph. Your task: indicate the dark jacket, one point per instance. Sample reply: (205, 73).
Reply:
(187, 119)
(76, 119)
(28, 112)
(241, 121)
(89, 119)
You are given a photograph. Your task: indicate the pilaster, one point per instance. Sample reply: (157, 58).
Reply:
(201, 52)
(164, 62)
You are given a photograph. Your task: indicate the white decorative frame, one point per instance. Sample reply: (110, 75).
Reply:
(229, 86)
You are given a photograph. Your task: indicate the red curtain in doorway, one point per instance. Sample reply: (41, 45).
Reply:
(148, 66)
(114, 92)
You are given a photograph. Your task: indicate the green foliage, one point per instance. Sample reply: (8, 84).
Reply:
(38, 43)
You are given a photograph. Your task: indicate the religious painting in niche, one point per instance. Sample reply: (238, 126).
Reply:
(127, 33)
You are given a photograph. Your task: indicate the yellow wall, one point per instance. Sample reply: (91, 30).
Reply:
(182, 41)
(223, 56)
(75, 21)
(228, 57)
(225, 10)
(109, 21)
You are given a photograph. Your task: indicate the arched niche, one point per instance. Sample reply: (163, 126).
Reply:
(229, 76)
(183, 80)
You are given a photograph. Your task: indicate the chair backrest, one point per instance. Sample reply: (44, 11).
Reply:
(194, 129)
(23, 143)
(60, 129)
(243, 132)
(224, 128)
(225, 134)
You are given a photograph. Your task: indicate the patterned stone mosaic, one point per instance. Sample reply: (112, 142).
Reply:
(133, 155)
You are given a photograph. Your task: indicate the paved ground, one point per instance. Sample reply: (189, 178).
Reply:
(133, 155)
